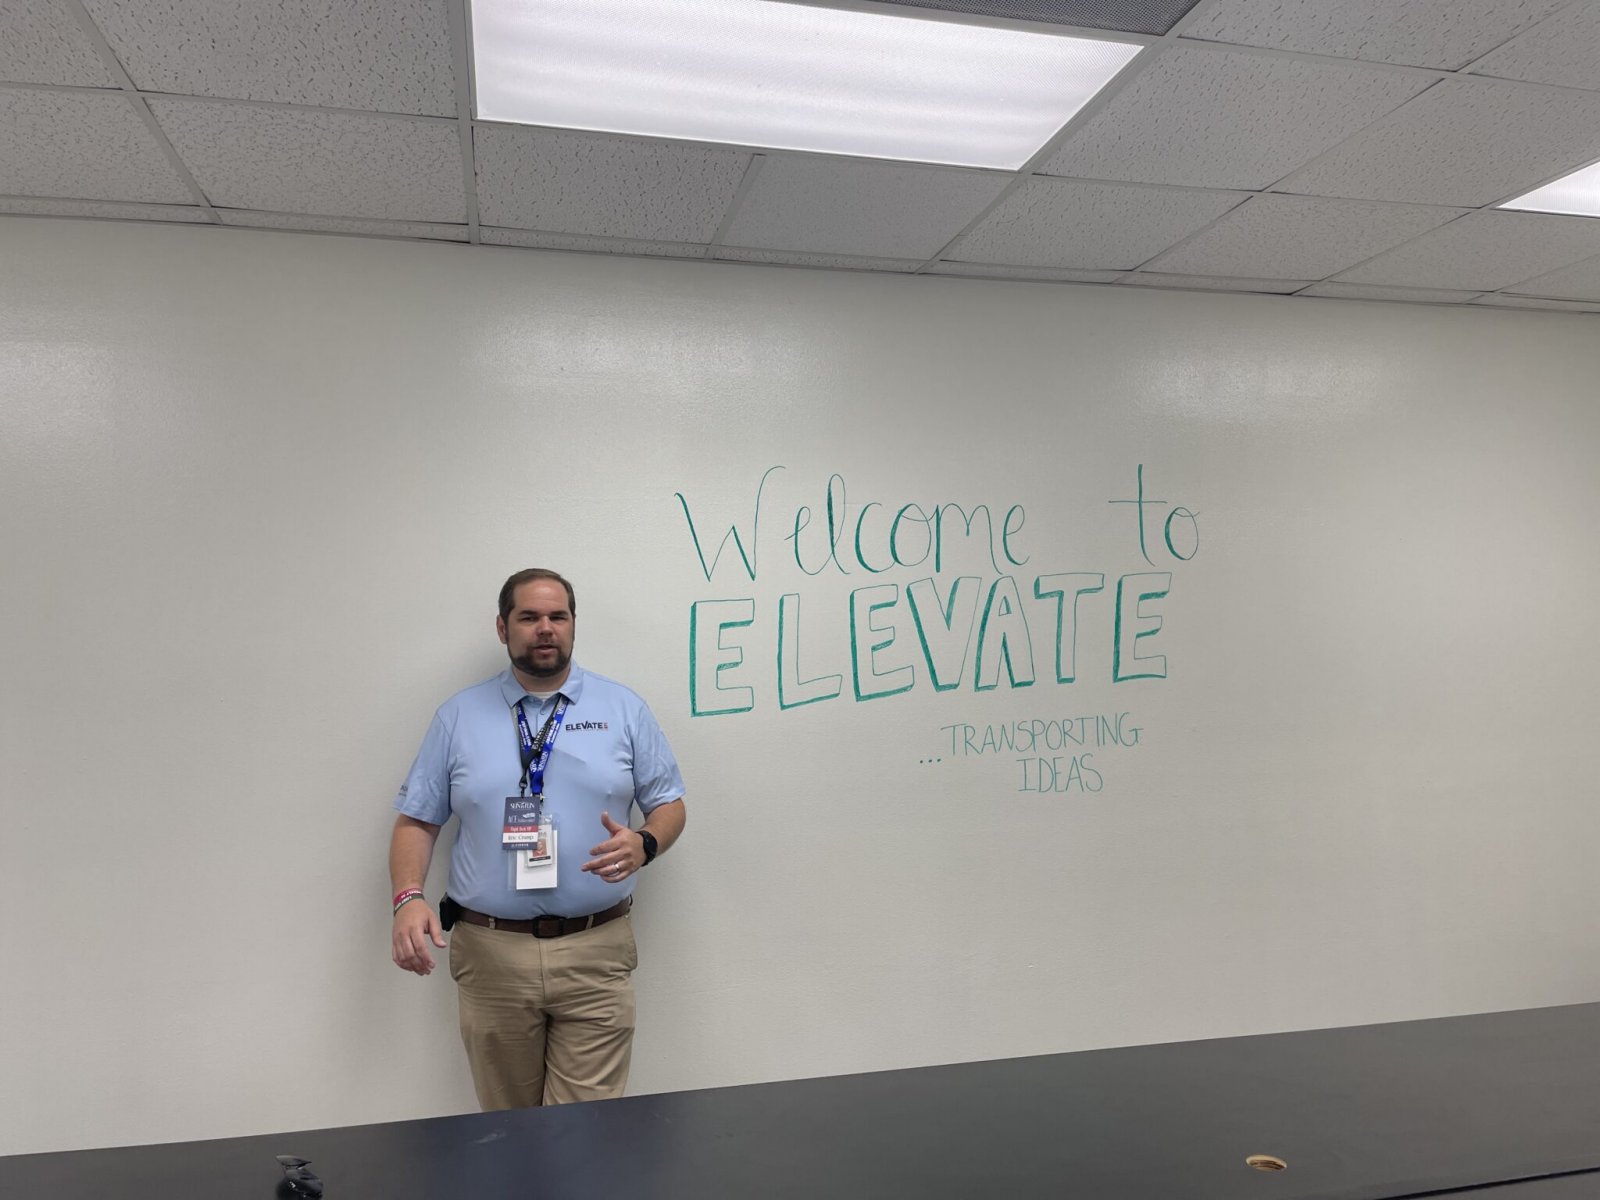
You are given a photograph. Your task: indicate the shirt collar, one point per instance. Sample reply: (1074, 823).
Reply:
(514, 692)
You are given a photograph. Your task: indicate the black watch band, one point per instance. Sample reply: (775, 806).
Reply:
(650, 847)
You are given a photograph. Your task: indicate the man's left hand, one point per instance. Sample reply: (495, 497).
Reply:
(619, 856)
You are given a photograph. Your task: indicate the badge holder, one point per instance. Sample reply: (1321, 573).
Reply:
(536, 864)
(529, 833)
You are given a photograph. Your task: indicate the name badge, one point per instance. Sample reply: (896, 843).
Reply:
(527, 828)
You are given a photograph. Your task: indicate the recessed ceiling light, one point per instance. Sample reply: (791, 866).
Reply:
(787, 76)
(1577, 194)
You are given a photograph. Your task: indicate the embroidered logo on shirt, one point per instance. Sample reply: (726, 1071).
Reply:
(576, 725)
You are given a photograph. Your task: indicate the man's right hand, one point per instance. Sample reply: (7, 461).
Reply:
(414, 925)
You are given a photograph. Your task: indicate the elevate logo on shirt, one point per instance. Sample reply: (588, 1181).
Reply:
(577, 725)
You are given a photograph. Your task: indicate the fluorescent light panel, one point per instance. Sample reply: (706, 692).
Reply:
(1577, 194)
(786, 76)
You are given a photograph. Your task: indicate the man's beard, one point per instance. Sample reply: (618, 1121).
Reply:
(528, 665)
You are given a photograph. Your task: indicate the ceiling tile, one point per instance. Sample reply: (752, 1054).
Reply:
(836, 206)
(84, 146)
(388, 55)
(1210, 118)
(1356, 291)
(1564, 50)
(1465, 141)
(1281, 287)
(43, 43)
(842, 262)
(1484, 251)
(399, 229)
(1299, 237)
(1447, 34)
(1001, 271)
(303, 161)
(105, 209)
(1129, 16)
(1060, 223)
(615, 187)
(598, 245)
(1580, 281)
(1503, 301)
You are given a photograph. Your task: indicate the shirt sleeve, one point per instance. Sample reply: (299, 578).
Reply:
(656, 779)
(425, 794)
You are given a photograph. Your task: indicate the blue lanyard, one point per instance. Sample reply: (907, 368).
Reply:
(536, 751)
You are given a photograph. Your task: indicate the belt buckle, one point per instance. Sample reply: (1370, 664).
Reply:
(547, 926)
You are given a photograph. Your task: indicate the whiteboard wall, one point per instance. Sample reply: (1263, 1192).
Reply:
(1258, 696)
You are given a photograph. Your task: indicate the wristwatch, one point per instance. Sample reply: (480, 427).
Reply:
(650, 847)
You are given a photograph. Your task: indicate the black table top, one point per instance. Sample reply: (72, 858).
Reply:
(1372, 1112)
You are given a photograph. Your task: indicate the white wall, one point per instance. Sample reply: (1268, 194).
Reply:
(257, 492)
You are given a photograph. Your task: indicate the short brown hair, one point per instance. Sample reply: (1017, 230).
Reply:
(508, 592)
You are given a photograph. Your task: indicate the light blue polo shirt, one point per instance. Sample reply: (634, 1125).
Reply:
(609, 755)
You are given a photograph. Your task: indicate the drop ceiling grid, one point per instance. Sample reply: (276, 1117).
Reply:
(460, 21)
(1132, 16)
(318, 161)
(1500, 300)
(1298, 237)
(1092, 226)
(82, 147)
(1039, 274)
(838, 262)
(380, 67)
(1431, 151)
(1486, 251)
(1144, 63)
(1357, 291)
(1069, 129)
(1227, 119)
(1350, 268)
(1444, 34)
(44, 43)
(571, 182)
(1563, 50)
(1199, 14)
(1214, 283)
(105, 210)
(751, 172)
(224, 101)
(141, 107)
(857, 208)
(322, 223)
(1580, 281)
(1130, 79)
(540, 240)
(373, 55)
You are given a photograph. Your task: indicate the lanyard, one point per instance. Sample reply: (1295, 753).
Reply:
(536, 751)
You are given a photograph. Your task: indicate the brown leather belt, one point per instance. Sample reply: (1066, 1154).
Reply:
(548, 927)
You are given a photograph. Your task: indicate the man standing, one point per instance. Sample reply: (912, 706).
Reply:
(541, 766)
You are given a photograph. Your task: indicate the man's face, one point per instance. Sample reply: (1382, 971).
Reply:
(538, 631)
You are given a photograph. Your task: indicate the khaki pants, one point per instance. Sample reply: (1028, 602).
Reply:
(545, 1020)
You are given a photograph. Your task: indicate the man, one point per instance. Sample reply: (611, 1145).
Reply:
(537, 764)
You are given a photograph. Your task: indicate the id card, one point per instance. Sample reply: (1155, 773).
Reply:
(537, 873)
(526, 825)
